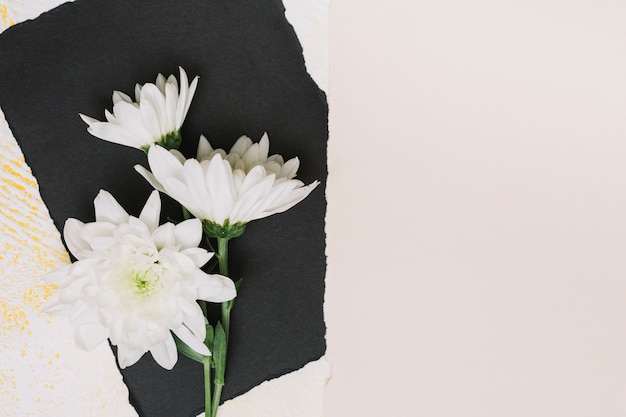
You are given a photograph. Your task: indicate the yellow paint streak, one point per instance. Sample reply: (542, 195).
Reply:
(19, 162)
(13, 317)
(9, 169)
(36, 295)
(32, 207)
(16, 185)
(4, 14)
(9, 208)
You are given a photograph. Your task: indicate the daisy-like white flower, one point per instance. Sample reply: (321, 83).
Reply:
(228, 190)
(136, 282)
(155, 117)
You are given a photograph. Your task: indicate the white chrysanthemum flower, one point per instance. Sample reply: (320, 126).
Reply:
(136, 282)
(155, 117)
(227, 189)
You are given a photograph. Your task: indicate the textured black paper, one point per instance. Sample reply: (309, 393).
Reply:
(252, 80)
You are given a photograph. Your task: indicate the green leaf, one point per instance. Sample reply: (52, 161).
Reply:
(186, 213)
(219, 354)
(187, 351)
(202, 305)
(208, 339)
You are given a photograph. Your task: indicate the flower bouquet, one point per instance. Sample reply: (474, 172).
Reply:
(144, 285)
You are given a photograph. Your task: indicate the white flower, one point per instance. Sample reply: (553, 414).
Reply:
(155, 117)
(136, 282)
(232, 188)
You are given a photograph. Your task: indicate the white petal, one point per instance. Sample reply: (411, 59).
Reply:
(150, 178)
(181, 158)
(165, 354)
(100, 243)
(290, 169)
(241, 146)
(71, 233)
(127, 356)
(198, 255)
(60, 277)
(91, 231)
(160, 82)
(281, 192)
(80, 270)
(172, 81)
(186, 94)
(71, 294)
(188, 233)
(130, 116)
(183, 264)
(151, 211)
(110, 117)
(150, 120)
(89, 336)
(163, 236)
(192, 341)
(179, 191)
(215, 288)
(272, 167)
(193, 318)
(264, 147)
(256, 176)
(153, 109)
(137, 92)
(108, 209)
(204, 148)
(163, 164)
(184, 90)
(190, 93)
(257, 153)
(252, 198)
(194, 178)
(82, 315)
(117, 134)
(171, 101)
(119, 96)
(293, 198)
(219, 179)
(239, 177)
(88, 120)
(53, 306)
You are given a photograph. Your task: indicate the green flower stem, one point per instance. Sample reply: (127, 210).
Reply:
(219, 365)
(221, 342)
(206, 362)
(226, 318)
(222, 256)
(217, 394)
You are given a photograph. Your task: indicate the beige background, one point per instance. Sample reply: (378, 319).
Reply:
(477, 208)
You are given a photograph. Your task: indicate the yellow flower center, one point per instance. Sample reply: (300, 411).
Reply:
(145, 280)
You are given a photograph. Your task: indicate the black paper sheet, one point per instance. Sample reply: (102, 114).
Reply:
(252, 80)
